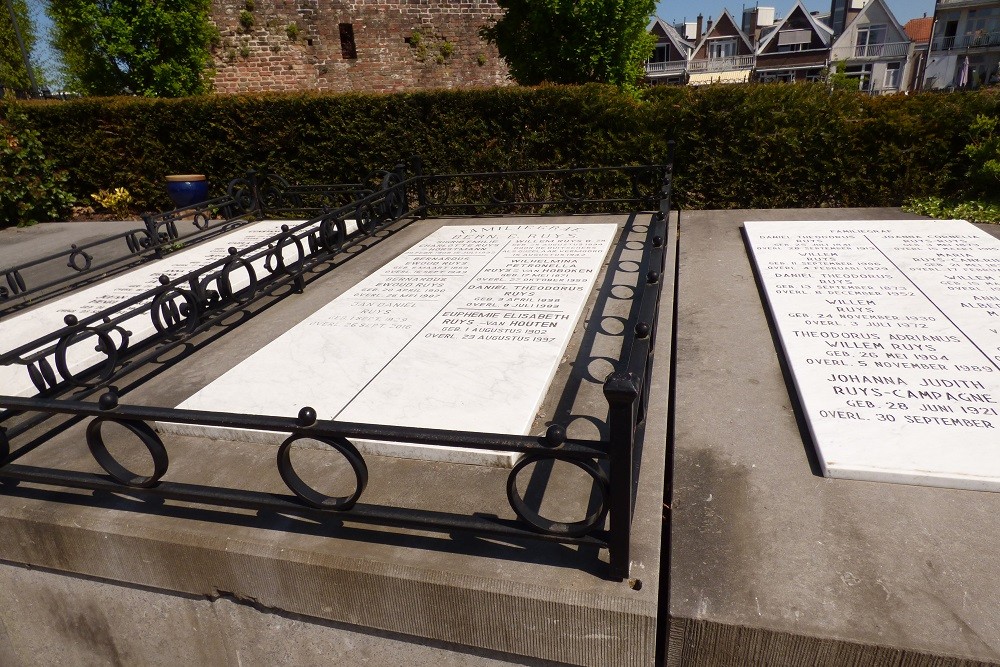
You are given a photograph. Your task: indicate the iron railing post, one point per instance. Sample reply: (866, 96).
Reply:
(621, 391)
(154, 235)
(418, 173)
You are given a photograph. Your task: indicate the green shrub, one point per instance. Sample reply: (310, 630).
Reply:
(30, 185)
(973, 210)
(983, 152)
(759, 146)
(246, 20)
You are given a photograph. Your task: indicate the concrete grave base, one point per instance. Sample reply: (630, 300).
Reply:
(312, 590)
(770, 563)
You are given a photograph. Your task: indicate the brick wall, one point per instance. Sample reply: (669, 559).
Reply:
(400, 45)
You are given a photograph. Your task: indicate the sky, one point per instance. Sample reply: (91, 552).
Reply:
(674, 11)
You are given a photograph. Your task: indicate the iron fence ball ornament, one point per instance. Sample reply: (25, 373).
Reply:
(592, 521)
(121, 474)
(311, 496)
(555, 435)
(307, 416)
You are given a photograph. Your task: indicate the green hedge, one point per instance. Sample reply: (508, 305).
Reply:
(755, 146)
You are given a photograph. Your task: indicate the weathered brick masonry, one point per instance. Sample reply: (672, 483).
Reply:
(398, 44)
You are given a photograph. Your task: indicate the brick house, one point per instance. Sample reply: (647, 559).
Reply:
(797, 49)
(723, 54)
(668, 64)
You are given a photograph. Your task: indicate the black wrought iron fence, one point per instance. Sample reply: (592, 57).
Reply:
(181, 309)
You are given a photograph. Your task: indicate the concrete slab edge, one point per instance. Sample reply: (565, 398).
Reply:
(700, 643)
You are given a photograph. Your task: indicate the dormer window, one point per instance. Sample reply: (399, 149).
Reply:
(722, 48)
(794, 40)
(870, 35)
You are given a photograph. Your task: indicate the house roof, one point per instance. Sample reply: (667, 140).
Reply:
(725, 15)
(824, 31)
(682, 45)
(919, 30)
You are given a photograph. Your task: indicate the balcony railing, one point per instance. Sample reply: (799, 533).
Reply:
(872, 51)
(959, 3)
(722, 64)
(667, 68)
(974, 41)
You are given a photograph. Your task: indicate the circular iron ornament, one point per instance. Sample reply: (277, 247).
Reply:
(75, 258)
(275, 258)
(201, 220)
(311, 496)
(36, 377)
(241, 192)
(365, 219)
(395, 203)
(332, 233)
(563, 529)
(121, 474)
(168, 316)
(225, 283)
(15, 281)
(121, 331)
(105, 344)
(132, 241)
(42, 375)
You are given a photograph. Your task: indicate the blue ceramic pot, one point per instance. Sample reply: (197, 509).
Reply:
(187, 189)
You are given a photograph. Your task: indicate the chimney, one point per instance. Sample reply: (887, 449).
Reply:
(697, 26)
(708, 25)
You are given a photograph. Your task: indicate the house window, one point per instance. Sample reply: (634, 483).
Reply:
(794, 40)
(347, 47)
(892, 72)
(722, 48)
(871, 39)
(660, 54)
(863, 73)
(788, 48)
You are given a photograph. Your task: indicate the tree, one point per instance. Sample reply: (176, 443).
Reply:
(141, 47)
(13, 74)
(574, 41)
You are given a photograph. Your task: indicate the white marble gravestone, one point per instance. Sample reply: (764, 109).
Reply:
(25, 327)
(464, 331)
(892, 333)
